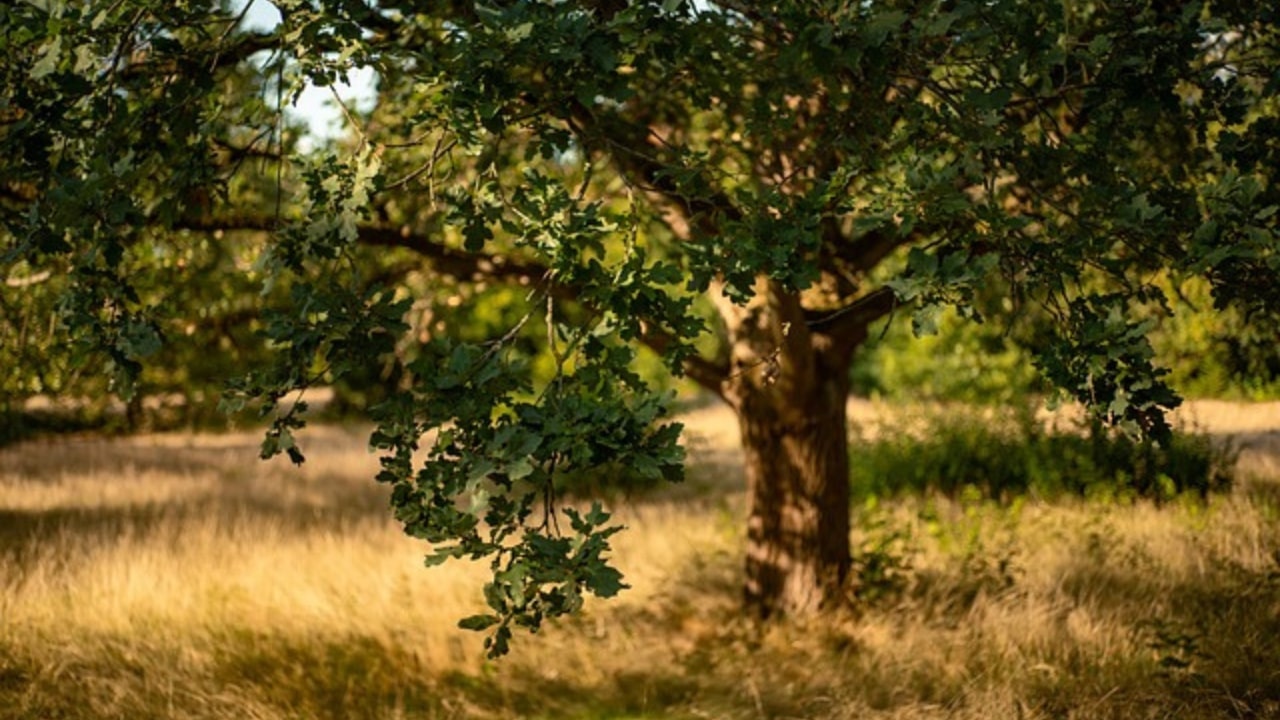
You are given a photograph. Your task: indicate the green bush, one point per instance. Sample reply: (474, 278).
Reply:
(964, 362)
(955, 452)
(18, 424)
(1208, 352)
(1216, 352)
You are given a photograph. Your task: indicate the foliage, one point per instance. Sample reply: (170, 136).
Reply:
(1209, 353)
(616, 160)
(882, 559)
(956, 451)
(1216, 353)
(963, 362)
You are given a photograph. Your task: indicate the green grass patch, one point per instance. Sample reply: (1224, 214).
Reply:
(960, 452)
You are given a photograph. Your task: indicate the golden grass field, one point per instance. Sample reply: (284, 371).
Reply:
(175, 576)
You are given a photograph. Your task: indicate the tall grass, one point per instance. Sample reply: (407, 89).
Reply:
(175, 577)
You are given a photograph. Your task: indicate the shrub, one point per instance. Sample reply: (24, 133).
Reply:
(954, 451)
(1210, 352)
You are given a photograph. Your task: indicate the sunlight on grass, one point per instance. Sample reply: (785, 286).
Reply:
(175, 576)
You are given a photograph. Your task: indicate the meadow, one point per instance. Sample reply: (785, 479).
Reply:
(175, 576)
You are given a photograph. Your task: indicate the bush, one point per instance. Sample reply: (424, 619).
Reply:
(960, 451)
(19, 424)
(1209, 352)
(964, 362)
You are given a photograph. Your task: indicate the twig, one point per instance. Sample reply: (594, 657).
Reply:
(346, 112)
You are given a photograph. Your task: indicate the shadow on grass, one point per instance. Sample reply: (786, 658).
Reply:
(28, 536)
(654, 660)
(1213, 642)
(1207, 646)
(174, 456)
(32, 460)
(358, 677)
(694, 655)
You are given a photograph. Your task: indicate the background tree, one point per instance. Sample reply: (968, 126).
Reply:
(811, 168)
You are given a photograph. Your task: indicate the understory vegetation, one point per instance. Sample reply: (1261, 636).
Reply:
(1208, 353)
(164, 576)
(958, 450)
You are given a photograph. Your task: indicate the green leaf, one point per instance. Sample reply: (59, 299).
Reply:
(605, 582)
(478, 622)
(883, 24)
(924, 321)
(49, 59)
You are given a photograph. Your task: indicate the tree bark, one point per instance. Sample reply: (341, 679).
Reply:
(798, 502)
(789, 386)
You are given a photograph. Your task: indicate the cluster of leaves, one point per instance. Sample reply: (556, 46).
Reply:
(495, 444)
(493, 462)
(1208, 352)
(88, 138)
(106, 129)
(1106, 360)
(91, 81)
(1097, 206)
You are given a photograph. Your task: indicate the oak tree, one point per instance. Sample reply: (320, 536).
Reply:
(810, 168)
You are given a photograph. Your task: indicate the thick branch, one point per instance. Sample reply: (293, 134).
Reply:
(229, 55)
(469, 267)
(455, 263)
(865, 252)
(235, 153)
(707, 373)
(634, 149)
(848, 326)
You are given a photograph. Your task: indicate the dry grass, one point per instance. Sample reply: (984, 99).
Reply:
(175, 576)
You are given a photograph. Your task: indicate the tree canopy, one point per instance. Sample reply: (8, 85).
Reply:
(810, 168)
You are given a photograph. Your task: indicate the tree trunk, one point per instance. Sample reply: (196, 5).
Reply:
(789, 385)
(797, 467)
